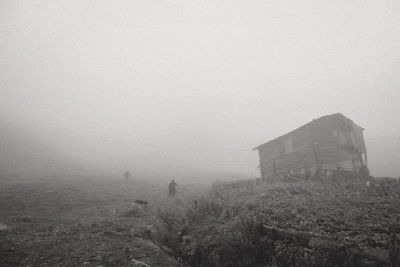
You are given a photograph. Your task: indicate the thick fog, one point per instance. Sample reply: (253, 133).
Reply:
(190, 87)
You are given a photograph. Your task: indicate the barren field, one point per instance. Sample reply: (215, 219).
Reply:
(86, 221)
(79, 221)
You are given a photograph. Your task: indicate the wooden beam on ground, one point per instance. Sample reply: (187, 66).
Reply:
(370, 256)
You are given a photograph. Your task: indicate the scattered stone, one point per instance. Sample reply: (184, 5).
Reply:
(137, 263)
(3, 227)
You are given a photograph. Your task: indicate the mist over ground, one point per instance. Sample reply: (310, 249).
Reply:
(187, 89)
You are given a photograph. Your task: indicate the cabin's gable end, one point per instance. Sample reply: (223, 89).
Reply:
(339, 143)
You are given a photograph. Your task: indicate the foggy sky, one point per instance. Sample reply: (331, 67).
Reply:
(191, 85)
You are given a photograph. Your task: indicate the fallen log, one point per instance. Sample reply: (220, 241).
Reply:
(291, 177)
(306, 239)
(141, 202)
(368, 256)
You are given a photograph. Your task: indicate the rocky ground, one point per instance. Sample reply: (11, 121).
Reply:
(86, 222)
(95, 221)
(260, 226)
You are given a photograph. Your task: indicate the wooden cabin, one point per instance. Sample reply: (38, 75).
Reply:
(325, 144)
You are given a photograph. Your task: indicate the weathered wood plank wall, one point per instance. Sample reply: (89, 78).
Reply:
(291, 153)
(330, 142)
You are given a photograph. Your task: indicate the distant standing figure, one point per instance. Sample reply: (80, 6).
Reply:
(127, 175)
(172, 188)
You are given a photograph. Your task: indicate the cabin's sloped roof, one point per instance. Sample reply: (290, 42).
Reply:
(303, 126)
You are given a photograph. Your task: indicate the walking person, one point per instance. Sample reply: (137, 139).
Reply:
(127, 176)
(172, 188)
